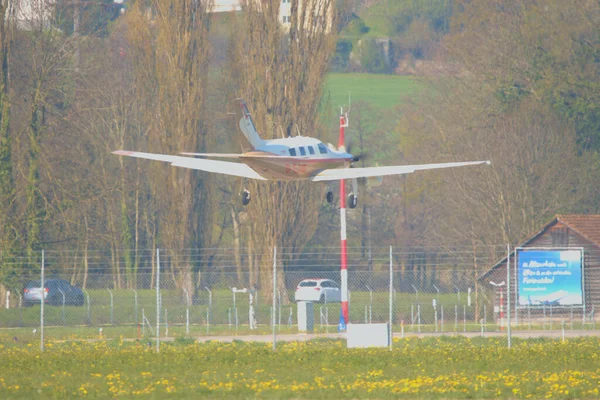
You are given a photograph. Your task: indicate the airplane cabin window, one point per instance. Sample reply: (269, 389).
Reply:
(311, 150)
(302, 151)
(322, 149)
(292, 152)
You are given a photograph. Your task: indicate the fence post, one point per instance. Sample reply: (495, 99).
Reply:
(157, 300)
(274, 294)
(166, 324)
(63, 307)
(42, 306)
(111, 307)
(87, 296)
(20, 310)
(187, 312)
(135, 305)
(509, 305)
(209, 309)
(391, 305)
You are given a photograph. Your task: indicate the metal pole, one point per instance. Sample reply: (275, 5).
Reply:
(63, 306)
(456, 318)
(187, 321)
(485, 315)
(209, 309)
(20, 310)
(274, 295)
(278, 310)
(391, 316)
(135, 304)
(508, 305)
(516, 288)
(42, 306)
(166, 324)
(157, 300)
(111, 306)
(187, 311)
(87, 296)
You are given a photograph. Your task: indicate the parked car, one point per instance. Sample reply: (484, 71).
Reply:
(321, 290)
(53, 293)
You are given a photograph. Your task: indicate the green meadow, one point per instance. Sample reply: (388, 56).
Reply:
(380, 91)
(433, 368)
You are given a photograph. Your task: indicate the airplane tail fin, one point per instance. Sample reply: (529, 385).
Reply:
(244, 120)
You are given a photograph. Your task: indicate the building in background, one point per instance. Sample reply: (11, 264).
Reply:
(563, 233)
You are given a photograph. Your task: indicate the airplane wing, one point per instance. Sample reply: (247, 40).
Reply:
(349, 173)
(239, 156)
(219, 167)
(209, 155)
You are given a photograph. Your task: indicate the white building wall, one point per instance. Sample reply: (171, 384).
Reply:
(285, 9)
(30, 14)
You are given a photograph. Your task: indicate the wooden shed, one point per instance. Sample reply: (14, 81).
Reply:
(565, 232)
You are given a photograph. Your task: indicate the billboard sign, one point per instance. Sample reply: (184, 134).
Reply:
(550, 277)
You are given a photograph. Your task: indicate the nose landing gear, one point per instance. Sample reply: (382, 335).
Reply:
(329, 197)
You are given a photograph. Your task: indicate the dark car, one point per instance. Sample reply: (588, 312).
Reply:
(55, 292)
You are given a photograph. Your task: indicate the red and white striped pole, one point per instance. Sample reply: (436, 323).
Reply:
(343, 248)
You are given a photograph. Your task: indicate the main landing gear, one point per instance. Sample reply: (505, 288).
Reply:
(245, 196)
(352, 199)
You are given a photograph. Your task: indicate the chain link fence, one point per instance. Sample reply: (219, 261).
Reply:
(206, 292)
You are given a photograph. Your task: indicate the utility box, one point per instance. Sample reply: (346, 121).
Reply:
(306, 317)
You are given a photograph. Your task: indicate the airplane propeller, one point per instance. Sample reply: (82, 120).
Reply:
(363, 155)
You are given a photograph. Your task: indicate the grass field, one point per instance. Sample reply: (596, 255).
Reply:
(417, 314)
(381, 91)
(424, 368)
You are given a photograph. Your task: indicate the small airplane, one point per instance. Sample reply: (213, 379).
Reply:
(287, 159)
(552, 299)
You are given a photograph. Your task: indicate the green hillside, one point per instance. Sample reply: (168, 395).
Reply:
(381, 91)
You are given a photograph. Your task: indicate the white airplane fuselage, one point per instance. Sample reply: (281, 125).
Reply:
(294, 158)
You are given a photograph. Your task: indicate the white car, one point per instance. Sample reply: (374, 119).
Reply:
(321, 290)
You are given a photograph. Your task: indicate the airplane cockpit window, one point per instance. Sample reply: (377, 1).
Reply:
(292, 152)
(311, 150)
(322, 148)
(302, 151)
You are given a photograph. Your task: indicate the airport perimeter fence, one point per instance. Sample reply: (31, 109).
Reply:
(164, 294)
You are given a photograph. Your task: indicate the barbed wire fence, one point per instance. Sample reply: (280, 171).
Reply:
(165, 294)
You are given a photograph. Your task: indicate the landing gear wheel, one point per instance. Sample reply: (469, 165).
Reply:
(245, 197)
(352, 200)
(329, 197)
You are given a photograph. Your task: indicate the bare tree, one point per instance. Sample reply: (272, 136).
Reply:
(170, 51)
(281, 71)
